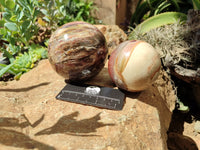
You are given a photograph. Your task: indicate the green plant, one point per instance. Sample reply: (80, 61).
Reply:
(19, 24)
(79, 10)
(169, 33)
(196, 4)
(148, 8)
(10, 4)
(157, 21)
(24, 61)
(59, 12)
(19, 27)
(175, 43)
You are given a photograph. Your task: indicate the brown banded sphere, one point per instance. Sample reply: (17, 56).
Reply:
(77, 51)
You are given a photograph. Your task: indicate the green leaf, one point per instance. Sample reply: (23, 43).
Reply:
(25, 25)
(11, 40)
(17, 9)
(161, 7)
(196, 4)
(22, 3)
(2, 22)
(44, 11)
(12, 48)
(3, 31)
(5, 69)
(7, 15)
(35, 14)
(11, 26)
(2, 2)
(20, 16)
(141, 10)
(11, 70)
(17, 77)
(28, 35)
(10, 4)
(13, 18)
(160, 20)
(46, 19)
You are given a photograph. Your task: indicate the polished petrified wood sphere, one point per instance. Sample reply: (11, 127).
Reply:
(77, 51)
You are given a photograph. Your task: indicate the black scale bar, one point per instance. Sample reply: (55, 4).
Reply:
(103, 97)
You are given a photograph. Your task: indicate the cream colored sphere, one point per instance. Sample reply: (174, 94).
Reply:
(134, 65)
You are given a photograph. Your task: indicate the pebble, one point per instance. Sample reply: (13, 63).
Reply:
(197, 127)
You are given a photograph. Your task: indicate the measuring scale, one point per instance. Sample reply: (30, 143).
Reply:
(103, 97)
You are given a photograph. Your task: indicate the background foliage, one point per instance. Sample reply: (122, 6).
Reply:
(24, 21)
(148, 8)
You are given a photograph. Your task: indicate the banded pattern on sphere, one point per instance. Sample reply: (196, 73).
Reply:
(134, 65)
(77, 51)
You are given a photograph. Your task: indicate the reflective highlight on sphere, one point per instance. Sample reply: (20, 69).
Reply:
(134, 65)
(77, 51)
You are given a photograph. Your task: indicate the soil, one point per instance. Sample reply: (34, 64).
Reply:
(7, 77)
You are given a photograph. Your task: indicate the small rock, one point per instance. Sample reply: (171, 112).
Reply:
(113, 34)
(197, 127)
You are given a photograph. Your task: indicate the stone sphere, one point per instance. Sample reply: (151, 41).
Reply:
(134, 65)
(77, 51)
